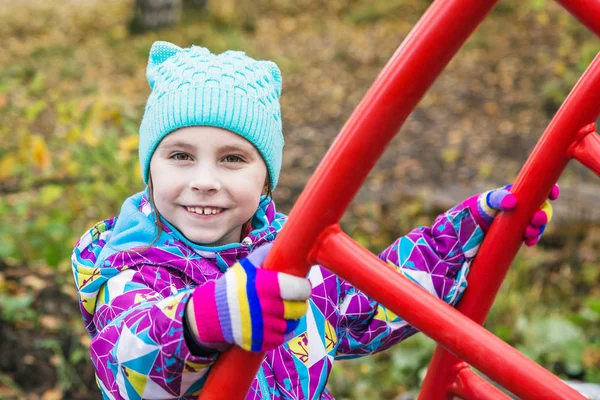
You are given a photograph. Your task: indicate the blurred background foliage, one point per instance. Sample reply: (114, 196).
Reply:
(72, 91)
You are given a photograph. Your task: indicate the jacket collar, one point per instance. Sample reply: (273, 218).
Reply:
(136, 228)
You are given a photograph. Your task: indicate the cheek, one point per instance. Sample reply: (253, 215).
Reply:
(160, 199)
(257, 181)
(249, 185)
(163, 187)
(165, 194)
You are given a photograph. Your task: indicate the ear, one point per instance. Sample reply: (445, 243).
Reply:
(159, 53)
(275, 74)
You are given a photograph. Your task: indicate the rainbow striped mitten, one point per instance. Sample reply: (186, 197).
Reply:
(254, 308)
(486, 205)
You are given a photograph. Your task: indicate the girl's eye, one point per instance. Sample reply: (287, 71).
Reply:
(181, 157)
(233, 159)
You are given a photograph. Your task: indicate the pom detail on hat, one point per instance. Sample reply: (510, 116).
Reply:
(159, 52)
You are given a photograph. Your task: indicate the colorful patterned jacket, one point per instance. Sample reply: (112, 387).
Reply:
(133, 303)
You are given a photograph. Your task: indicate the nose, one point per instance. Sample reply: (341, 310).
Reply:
(205, 180)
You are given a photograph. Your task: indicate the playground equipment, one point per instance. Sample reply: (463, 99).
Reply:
(462, 341)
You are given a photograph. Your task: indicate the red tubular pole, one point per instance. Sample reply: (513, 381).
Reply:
(542, 169)
(586, 11)
(402, 83)
(438, 320)
(420, 59)
(470, 386)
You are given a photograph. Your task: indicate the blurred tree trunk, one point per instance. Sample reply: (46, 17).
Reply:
(155, 14)
(195, 3)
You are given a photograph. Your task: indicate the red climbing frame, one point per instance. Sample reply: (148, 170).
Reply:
(462, 341)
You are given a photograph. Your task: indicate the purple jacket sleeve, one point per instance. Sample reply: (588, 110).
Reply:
(140, 350)
(437, 258)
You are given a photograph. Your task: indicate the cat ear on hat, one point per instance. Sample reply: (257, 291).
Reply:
(159, 52)
(275, 73)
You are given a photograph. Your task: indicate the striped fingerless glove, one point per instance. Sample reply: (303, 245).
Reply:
(485, 206)
(254, 308)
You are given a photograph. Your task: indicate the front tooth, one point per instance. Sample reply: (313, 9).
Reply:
(206, 211)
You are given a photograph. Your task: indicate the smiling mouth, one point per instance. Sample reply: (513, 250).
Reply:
(204, 210)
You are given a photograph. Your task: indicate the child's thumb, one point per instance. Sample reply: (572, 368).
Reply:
(293, 287)
(501, 200)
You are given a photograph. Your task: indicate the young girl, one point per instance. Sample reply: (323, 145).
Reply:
(174, 279)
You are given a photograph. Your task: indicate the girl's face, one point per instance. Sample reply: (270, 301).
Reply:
(207, 182)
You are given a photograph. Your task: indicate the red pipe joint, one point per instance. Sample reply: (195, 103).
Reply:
(586, 148)
(468, 385)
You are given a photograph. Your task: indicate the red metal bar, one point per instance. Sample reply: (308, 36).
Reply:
(402, 83)
(425, 52)
(586, 149)
(586, 11)
(470, 386)
(441, 322)
(373, 124)
(542, 169)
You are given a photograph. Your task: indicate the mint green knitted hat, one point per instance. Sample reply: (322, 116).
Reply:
(193, 87)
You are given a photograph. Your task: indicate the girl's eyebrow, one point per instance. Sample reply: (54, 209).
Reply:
(227, 148)
(177, 145)
(236, 148)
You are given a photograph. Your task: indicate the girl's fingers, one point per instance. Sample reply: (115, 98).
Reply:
(509, 202)
(267, 288)
(532, 232)
(554, 193)
(542, 229)
(539, 218)
(294, 309)
(291, 325)
(272, 326)
(543, 215)
(500, 200)
(273, 344)
(531, 241)
(272, 335)
(533, 235)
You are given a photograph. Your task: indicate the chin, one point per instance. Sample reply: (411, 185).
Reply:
(205, 240)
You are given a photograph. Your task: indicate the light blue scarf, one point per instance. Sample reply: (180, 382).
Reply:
(136, 227)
